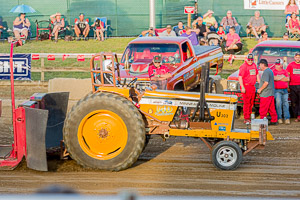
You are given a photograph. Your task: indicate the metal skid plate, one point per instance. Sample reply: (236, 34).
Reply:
(56, 104)
(36, 122)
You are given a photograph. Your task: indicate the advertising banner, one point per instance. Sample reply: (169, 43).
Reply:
(22, 66)
(267, 4)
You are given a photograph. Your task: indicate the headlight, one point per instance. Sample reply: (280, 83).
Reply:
(232, 85)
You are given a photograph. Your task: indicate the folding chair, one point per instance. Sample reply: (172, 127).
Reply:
(104, 24)
(41, 27)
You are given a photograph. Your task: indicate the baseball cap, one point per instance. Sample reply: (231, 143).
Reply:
(297, 54)
(264, 61)
(286, 34)
(250, 56)
(169, 26)
(81, 14)
(279, 61)
(157, 59)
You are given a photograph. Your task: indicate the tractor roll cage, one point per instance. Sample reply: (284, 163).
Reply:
(99, 72)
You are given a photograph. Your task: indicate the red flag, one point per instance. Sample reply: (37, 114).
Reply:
(51, 57)
(35, 56)
(64, 57)
(80, 58)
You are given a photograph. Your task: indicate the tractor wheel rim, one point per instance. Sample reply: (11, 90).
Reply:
(226, 156)
(102, 134)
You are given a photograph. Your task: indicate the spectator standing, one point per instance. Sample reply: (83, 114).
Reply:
(290, 8)
(210, 21)
(233, 43)
(159, 73)
(202, 28)
(257, 24)
(294, 70)
(82, 27)
(230, 21)
(264, 37)
(58, 23)
(294, 26)
(266, 92)
(168, 32)
(285, 36)
(147, 33)
(248, 75)
(179, 29)
(192, 35)
(21, 26)
(281, 79)
(99, 29)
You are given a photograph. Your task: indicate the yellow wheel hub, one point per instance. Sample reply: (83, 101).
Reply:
(102, 134)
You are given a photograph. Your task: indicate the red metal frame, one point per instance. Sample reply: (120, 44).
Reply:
(19, 125)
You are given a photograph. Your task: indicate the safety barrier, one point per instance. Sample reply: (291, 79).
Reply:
(53, 56)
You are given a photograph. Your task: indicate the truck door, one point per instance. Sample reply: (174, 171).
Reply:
(189, 76)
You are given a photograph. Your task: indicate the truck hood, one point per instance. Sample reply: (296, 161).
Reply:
(139, 67)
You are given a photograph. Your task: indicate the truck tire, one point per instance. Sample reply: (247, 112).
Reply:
(104, 131)
(212, 88)
(226, 155)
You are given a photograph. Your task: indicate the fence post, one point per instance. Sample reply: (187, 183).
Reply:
(42, 69)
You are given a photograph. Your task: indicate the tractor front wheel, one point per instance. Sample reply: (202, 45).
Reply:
(226, 155)
(104, 131)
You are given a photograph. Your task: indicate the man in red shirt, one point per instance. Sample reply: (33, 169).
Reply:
(248, 75)
(159, 73)
(281, 82)
(294, 70)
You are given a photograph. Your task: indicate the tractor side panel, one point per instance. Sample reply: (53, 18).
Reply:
(224, 116)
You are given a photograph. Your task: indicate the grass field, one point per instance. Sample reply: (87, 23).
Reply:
(117, 45)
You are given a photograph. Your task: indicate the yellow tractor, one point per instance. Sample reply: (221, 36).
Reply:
(109, 128)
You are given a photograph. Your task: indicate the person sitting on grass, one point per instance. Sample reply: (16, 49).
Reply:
(233, 44)
(99, 29)
(221, 32)
(285, 36)
(21, 26)
(210, 21)
(264, 37)
(58, 23)
(82, 27)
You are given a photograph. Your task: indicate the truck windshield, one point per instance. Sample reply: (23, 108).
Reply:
(146, 52)
(272, 53)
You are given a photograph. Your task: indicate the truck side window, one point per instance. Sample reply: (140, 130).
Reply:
(186, 51)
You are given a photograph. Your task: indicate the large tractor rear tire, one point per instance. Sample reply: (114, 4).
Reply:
(104, 131)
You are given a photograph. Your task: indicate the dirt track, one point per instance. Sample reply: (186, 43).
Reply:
(179, 166)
